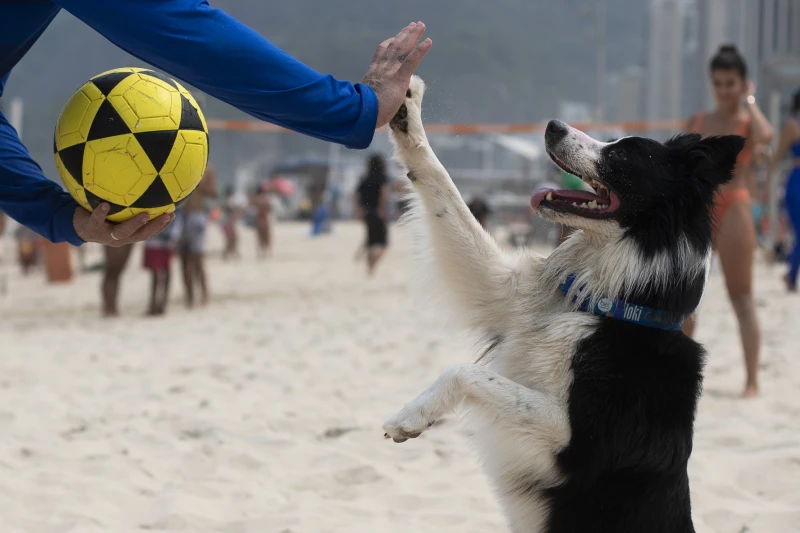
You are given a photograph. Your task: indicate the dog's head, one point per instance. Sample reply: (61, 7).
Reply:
(644, 188)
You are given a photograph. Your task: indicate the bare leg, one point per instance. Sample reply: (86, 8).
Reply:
(188, 278)
(736, 244)
(161, 292)
(373, 257)
(166, 275)
(153, 306)
(116, 260)
(200, 272)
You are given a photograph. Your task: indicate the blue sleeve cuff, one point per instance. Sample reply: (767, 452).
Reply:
(364, 130)
(64, 225)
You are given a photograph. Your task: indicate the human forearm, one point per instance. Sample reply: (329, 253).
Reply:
(28, 197)
(219, 55)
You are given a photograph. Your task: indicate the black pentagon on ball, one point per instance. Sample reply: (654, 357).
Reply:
(190, 118)
(107, 82)
(107, 123)
(157, 145)
(156, 195)
(72, 159)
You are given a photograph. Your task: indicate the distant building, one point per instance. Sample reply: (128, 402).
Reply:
(684, 34)
(666, 53)
(625, 95)
(570, 112)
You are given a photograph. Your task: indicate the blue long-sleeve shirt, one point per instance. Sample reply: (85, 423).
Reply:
(196, 43)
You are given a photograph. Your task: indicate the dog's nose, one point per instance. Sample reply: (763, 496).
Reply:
(556, 130)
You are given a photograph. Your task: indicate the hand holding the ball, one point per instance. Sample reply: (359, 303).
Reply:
(390, 72)
(92, 227)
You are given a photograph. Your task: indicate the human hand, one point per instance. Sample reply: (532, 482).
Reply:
(749, 96)
(389, 73)
(92, 227)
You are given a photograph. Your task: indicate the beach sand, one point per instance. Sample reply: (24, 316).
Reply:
(262, 412)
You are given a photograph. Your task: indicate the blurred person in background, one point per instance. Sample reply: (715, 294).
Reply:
(192, 243)
(734, 237)
(371, 204)
(217, 54)
(232, 213)
(262, 202)
(480, 210)
(158, 252)
(116, 259)
(789, 146)
(27, 249)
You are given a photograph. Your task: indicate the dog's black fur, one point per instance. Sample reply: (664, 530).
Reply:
(631, 409)
(635, 389)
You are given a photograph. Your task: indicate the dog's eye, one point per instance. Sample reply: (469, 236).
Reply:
(618, 155)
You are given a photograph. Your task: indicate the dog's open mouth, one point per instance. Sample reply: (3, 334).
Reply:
(600, 204)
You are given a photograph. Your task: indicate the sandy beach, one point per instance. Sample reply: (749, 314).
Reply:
(262, 412)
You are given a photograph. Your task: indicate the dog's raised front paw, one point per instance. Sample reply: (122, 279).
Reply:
(409, 423)
(406, 125)
(399, 121)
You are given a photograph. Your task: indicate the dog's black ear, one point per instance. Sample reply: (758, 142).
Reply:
(683, 141)
(714, 158)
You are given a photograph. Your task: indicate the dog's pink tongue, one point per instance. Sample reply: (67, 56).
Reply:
(574, 196)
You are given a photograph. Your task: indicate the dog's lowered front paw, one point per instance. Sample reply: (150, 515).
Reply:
(409, 423)
(406, 125)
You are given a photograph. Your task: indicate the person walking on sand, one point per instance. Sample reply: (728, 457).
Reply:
(193, 237)
(371, 201)
(734, 236)
(232, 212)
(262, 202)
(789, 145)
(158, 252)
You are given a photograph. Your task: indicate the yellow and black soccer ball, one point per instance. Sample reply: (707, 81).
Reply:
(133, 138)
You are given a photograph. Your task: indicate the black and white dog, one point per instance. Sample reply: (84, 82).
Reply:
(584, 414)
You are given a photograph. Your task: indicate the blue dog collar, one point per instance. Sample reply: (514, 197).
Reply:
(622, 310)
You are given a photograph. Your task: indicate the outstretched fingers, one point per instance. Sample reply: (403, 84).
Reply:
(413, 60)
(152, 228)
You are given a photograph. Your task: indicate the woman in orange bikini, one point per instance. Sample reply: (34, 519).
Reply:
(734, 231)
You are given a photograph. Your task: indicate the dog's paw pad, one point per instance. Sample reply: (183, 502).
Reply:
(400, 120)
(407, 424)
(400, 435)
